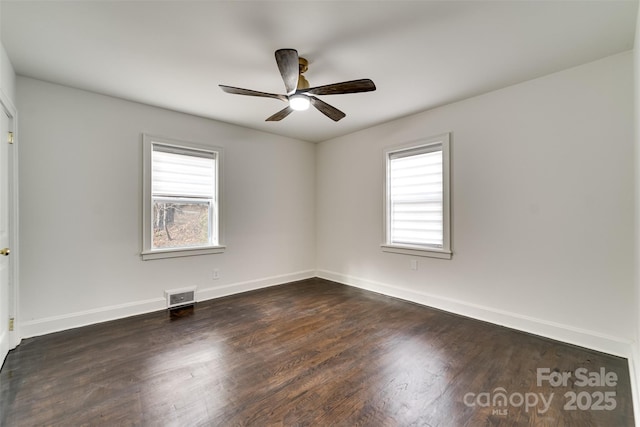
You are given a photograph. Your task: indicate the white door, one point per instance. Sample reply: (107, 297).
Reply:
(4, 236)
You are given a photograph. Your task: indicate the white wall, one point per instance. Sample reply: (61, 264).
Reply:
(7, 76)
(542, 201)
(81, 204)
(636, 355)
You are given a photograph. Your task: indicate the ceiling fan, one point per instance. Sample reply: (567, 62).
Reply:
(299, 94)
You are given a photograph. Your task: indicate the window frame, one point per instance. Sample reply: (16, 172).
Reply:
(420, 146)
(148, 252)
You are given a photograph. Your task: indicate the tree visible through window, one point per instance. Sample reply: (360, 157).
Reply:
(177, 225)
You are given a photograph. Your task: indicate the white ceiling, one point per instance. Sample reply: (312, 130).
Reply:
(420, 54)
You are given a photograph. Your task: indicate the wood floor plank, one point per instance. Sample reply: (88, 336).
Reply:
(309, 353)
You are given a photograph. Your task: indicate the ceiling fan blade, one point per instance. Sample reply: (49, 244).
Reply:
(353, 86)
(287, 60)
(280, 114)
(249, 92)
(332, 112)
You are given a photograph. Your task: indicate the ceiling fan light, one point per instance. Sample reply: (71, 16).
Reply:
(299, 102)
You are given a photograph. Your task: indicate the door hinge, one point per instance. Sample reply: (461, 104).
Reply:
(10, 137)
(11, 322)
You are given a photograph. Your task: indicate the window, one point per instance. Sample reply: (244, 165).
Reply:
(417, 199)
(181, 199)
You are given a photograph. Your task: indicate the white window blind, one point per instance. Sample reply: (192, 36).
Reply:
(182, 173)
(416, 197)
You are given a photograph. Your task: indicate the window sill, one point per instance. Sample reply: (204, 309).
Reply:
(175, 253)
(417, 251)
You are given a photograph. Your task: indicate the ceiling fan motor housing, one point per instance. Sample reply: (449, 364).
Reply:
(303, 66)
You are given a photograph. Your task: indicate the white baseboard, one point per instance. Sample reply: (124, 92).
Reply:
(236, 288)
(37, 327)
(63, 322)
(581, 337)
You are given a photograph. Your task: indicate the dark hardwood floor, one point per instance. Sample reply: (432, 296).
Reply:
(309, 353)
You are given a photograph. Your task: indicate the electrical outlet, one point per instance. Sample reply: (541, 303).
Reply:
(414, 264)
(215, 274)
